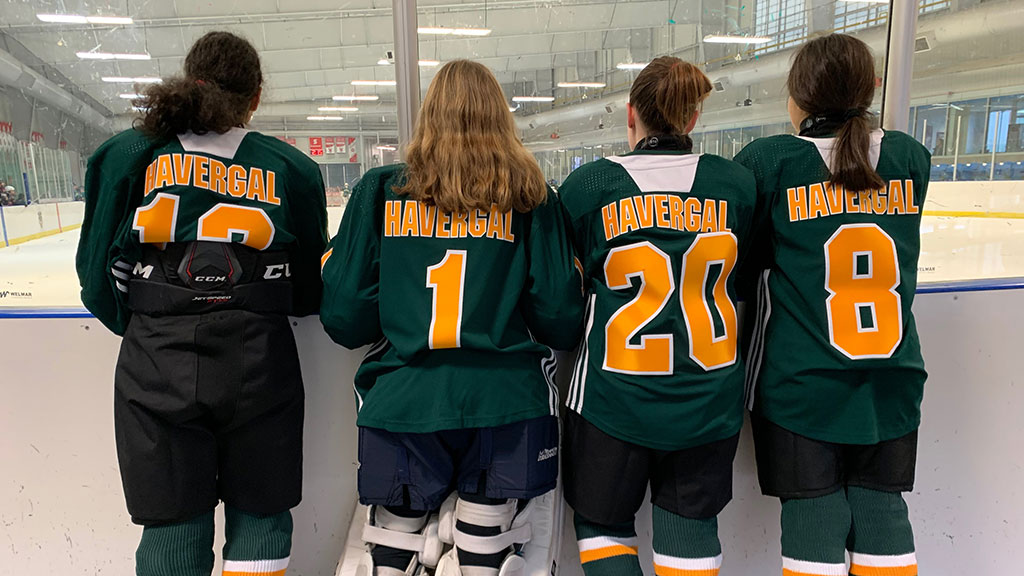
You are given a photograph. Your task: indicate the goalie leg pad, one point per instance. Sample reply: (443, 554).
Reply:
(395, 536)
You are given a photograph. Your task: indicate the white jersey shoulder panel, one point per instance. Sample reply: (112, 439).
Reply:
(224, 145)
(825, 146)
(660, 172)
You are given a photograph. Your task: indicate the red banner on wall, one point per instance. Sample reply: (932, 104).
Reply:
(329, 145)
(6, 127)
(37, 137)
(316, 146)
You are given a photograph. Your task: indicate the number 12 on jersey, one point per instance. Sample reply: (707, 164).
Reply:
(708, 312)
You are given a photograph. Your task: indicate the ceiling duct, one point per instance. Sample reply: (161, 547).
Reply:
(31, 83)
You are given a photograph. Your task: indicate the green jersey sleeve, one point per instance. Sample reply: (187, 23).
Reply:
(351, 268)
(113, 188)
(759, 244)
(553, 301)
(309, 217)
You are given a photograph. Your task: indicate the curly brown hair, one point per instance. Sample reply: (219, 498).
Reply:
(217, 92)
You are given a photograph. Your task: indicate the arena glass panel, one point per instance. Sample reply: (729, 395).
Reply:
(968, 110)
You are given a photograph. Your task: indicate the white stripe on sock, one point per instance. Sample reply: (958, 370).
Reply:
(815, 568)
(599, 542)
(878, 561)
(257, 566)
(688, 563)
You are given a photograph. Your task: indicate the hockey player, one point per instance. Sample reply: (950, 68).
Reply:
(835, 355)
(458, 268)
(657, 391)
(200, 237)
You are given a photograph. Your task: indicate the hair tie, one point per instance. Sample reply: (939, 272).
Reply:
(853, 113)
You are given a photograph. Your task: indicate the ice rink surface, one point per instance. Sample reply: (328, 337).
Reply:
(41, 273)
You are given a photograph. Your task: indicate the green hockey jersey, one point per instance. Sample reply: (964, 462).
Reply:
(240, 186)
(834, 353)
(460, 308)
(659, 234)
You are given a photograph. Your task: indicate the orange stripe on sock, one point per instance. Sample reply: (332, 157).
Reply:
(666, 571)
(607, 552)
(275, 573)
(860, 570)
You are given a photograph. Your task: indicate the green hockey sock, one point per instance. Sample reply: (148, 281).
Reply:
(685, 546)
(814, 532)
(881, 541)
(256, 543)
(179, 549)
(607, 550)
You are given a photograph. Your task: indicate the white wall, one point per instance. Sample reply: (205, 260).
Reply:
(61, 508)
(991, 196)
(23, 221)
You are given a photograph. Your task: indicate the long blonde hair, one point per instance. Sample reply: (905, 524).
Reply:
(465, 154)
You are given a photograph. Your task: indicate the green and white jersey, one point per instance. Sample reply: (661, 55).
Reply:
(659, 234)
(240, 186)
(835, 354)
(460, 308)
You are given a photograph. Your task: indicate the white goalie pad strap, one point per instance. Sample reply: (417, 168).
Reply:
(489, 515)
(492, 544)
(392, 539)
(387, 529)
(385, 519)
(515, 528)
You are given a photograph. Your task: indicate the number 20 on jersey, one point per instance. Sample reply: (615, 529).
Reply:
(708, 312)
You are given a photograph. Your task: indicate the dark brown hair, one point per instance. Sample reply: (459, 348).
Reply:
(834, 76)
(222, 77)
(465, 154)
(667, 93)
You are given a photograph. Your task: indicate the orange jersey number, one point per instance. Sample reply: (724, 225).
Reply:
(447, 279)
(712, 344)
(865, 316)
(157, 222)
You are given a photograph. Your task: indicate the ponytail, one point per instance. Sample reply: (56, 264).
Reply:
(851, 164)
(180, 105)
(667, 93)
(222, 80)
(833, 77)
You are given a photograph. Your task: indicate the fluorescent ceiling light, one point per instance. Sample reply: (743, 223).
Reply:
(632, 65)
(111, 56)
(533, 99)
(62, 18)
(109, 20)
(581, 84)
(725, 39)
(131, 80)
(387, 148)
(366, 98)
(338, 109)
(130, 96)
(383, 62)
(324, 118)
(76, 19)
(429, 63)
(440, 31)
(511, 109)
(374, 83)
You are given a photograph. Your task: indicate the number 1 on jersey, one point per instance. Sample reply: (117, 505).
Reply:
(446, 279)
